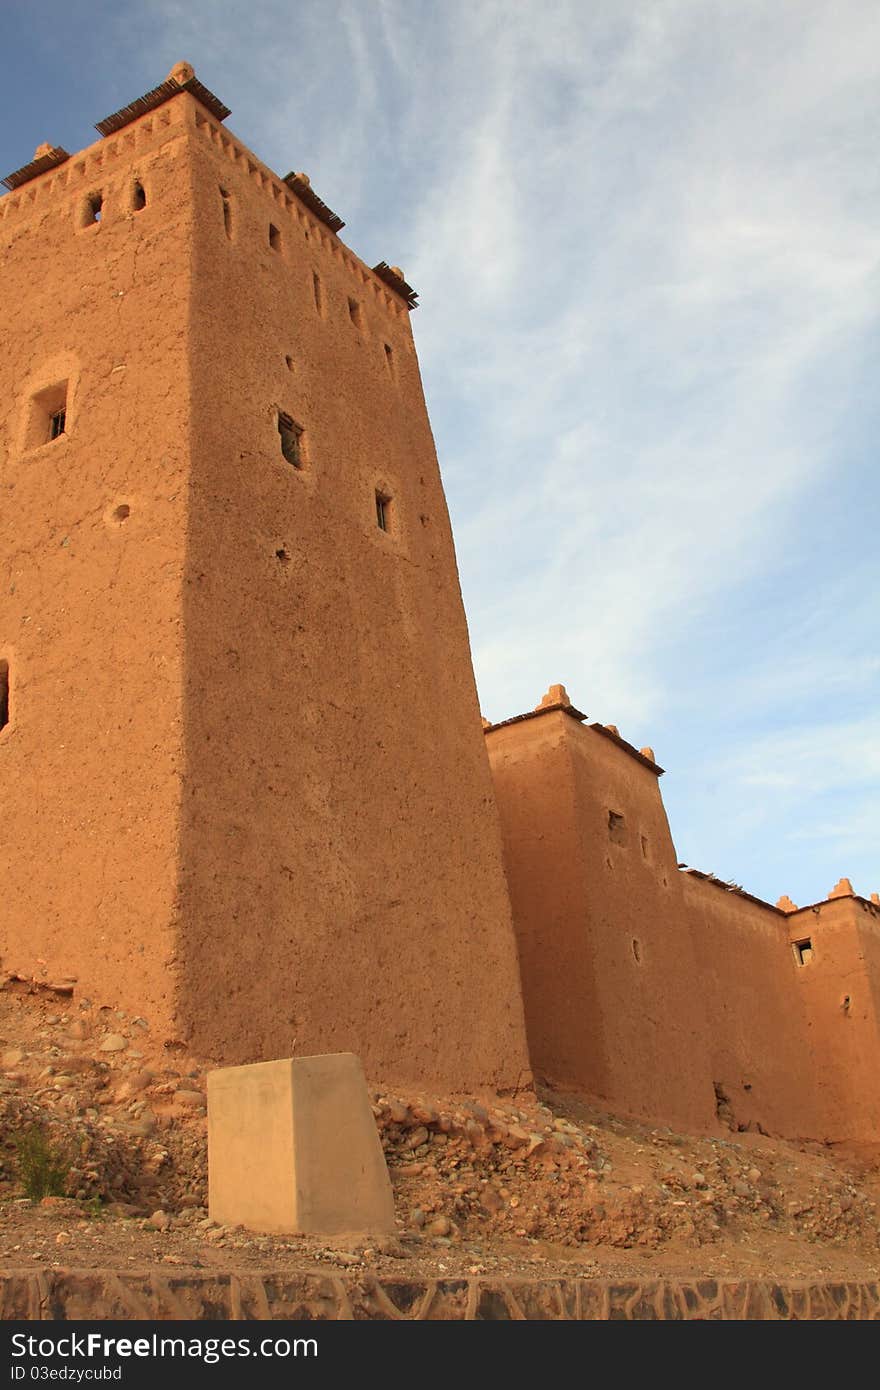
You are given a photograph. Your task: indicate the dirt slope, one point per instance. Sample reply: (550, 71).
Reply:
(513, 1185)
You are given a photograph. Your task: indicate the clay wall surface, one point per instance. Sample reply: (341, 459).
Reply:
(90, 596)
(662, 992)
(535, 791)
(612, 1003)
(343, 882)
(839, 989)
(756, 1047)
(250, 792)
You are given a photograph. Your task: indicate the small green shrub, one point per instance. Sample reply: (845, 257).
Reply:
(42, 1167)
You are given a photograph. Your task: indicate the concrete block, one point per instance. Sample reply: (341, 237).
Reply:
(293, 1147)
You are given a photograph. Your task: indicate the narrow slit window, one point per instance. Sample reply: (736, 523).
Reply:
(291, 440)
(4, 694)
(227, 212)
(57, 423)
(274, 237)
(389, 358)
(138, 197)
(354, 313)
(318, 292)
(383, 511)
(803, 951)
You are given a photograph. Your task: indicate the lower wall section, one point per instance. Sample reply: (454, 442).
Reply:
(62, 1294)
(668, 994)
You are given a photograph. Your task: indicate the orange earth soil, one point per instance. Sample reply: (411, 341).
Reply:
(521, 1184)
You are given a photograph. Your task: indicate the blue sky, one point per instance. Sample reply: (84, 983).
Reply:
(646, 235)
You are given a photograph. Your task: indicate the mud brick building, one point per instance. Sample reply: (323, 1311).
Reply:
(246, 792)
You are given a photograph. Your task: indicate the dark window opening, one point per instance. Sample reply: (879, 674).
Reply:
(389, 358)
(94, 209)
(383, 511)
(274, 237)
(354, 313)
(616, 828)
(291, 440)
(227, 212)
(138, 197)
(803, 951)
(318, 292)
(637, 951)
(282, 556)
(47, 415)
(4, 694)
(644, 847)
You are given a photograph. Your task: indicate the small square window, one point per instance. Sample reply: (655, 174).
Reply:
(47, 416)
(616, 828)
(93, 209)
(291, 440)
(803, 951)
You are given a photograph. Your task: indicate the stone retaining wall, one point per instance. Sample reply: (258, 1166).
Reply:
(101, 1294)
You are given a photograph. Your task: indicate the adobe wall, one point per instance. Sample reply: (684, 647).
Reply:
(665, 993)
(756, 1046)
(90, 603)
(607, 962)
(246, 792)
(343, 881)
(839, 989)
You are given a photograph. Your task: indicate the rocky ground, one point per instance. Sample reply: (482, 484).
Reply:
(541, 1184)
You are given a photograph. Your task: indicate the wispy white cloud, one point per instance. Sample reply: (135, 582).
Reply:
(809, 762)
(810, 794)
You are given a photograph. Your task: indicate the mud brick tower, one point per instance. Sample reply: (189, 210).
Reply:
(244, 782)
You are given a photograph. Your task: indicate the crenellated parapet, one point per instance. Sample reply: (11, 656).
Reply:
(55, 181)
